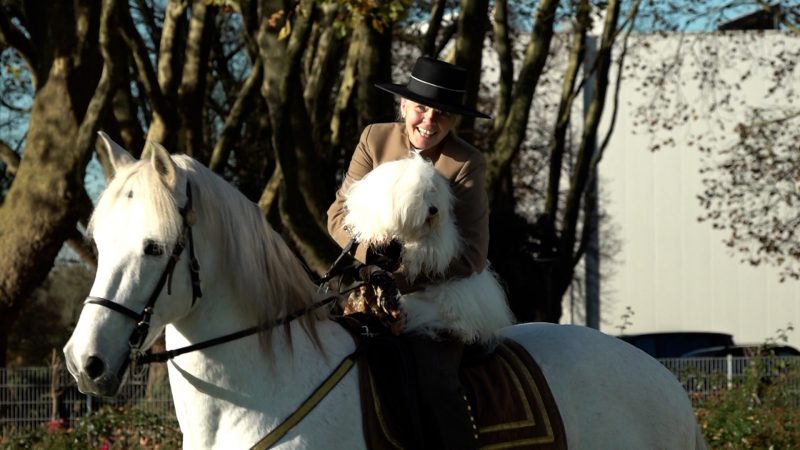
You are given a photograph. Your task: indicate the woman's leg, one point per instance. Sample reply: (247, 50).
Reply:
(445, 408)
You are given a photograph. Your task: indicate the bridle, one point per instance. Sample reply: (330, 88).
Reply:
(138, 358)
(142, 319)
(139, 334)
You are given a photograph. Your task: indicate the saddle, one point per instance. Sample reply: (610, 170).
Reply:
(510, 399)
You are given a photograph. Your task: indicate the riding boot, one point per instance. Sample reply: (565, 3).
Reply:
(445, 411)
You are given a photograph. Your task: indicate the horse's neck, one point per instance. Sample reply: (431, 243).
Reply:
(233, 393)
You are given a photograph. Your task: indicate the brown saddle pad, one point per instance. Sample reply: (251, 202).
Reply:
(511, 402)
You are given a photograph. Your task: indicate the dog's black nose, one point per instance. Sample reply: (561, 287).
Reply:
(433, 210)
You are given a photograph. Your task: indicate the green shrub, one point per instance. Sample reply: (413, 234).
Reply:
(762, 411)
(110, 428)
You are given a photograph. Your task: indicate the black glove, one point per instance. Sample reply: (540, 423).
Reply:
(387, 257)
(382, 281)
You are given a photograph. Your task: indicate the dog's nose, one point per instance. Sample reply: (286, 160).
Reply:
(433, 210)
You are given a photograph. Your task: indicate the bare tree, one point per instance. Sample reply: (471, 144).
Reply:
(273, 96)
(538, 259)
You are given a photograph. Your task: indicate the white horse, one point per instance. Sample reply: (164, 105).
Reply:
(233, 394)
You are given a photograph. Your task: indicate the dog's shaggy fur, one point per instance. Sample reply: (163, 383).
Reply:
(409, 201)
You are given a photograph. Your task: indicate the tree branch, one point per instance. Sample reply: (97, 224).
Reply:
(149, 20)
(447, 35)
(510, 139)
(168, 48)
(502, 45)
(586, 150)
(98, 105)
(472, 24)
(10, 158)
(192, 87)
(617, 89)
(434, 25)
(568, 94)
(75, 239)
(270, 192)
(319, 84)
(13, 36)
(146, 73)
(233, 122)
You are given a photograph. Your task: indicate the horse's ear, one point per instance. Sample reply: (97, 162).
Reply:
(160, 159)
(118, 156)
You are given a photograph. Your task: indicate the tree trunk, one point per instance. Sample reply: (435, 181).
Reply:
(191, 92)
(529, 278)
(302, 195)
(469, 51)
(502, 44)
(38, 212)
(510, 139)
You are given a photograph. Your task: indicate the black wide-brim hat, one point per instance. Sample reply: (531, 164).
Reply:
(436, 84)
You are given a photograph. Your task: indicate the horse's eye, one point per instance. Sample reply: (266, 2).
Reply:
(153, 248)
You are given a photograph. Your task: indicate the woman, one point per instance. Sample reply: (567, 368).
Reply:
(429, 105)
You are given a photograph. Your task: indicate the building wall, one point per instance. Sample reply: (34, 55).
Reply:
(673, 271)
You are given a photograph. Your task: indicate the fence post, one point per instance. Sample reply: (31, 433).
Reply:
(729, 367)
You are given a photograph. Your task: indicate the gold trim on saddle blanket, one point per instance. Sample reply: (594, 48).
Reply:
(529, 421)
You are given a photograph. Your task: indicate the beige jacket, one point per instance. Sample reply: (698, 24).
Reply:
(459, 162)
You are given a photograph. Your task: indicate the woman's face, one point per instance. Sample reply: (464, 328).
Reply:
(426, 126)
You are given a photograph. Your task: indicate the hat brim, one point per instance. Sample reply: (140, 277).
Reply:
(403, 91)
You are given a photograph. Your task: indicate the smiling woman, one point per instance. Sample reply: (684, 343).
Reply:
(425, 126)
(430, 102)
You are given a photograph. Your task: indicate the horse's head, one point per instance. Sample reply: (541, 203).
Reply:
(410, 201)
(155, 220)
(139, 222)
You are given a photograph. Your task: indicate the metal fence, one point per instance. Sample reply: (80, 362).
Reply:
(708, 377)
(33, 396)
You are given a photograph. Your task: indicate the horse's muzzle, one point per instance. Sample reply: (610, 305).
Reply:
(94, 377)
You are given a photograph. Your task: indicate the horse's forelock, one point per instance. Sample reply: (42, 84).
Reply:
(138, 183)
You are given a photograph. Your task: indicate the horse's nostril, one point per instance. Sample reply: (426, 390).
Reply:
(94, 367)
(433, 210)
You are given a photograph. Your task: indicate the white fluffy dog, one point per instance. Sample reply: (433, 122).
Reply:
(409, 201)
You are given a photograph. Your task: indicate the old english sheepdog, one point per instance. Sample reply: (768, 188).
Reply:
(408, 200)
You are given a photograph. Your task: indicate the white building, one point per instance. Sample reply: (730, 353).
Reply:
(673, 271)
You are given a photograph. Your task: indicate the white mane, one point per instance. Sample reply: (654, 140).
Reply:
(266, 276)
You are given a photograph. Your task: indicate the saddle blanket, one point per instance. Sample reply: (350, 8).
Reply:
(511, 403)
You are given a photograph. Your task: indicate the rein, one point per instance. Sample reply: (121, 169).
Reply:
(169, 354)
